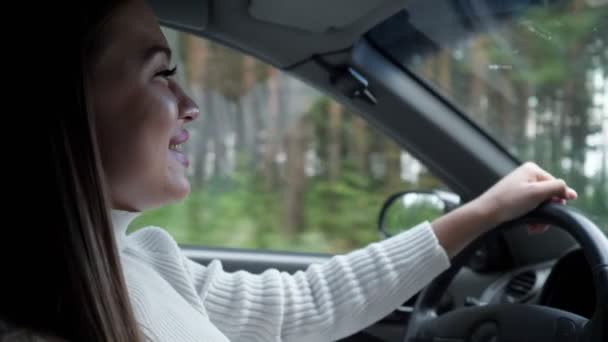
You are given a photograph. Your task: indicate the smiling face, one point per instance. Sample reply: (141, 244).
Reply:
(140, 112)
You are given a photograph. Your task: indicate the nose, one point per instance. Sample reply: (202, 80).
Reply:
(188, 110)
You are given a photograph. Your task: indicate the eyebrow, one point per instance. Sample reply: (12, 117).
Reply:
(155, 49)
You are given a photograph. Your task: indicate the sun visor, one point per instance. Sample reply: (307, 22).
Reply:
(313, 15)
(186, 14)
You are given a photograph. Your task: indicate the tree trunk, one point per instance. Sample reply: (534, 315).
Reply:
(295, 175)
(479, 62)
(360, 145)
(445, 73)
(203, 130)
(504, 113)
(270, 136)
(196, 63)
(334, 140)
(579, 128)
(392, 158)
(216, 114)
(197, 56)
(520, 121)
(245, 105)
(557, 133)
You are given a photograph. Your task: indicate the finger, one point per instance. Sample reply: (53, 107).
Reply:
(540, 174)
(558, 200)
(571, 194)
(550, 188)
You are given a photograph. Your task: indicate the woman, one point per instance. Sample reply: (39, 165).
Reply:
(115, 152)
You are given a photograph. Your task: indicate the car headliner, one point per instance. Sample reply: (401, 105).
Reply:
(280, 32)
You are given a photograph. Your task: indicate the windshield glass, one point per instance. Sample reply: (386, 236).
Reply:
(532, 73)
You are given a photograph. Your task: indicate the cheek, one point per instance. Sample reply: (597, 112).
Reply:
(149, 151)
(135, 151)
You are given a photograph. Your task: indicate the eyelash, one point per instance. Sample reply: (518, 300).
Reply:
(168, 72)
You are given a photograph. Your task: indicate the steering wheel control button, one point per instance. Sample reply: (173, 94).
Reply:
(486, 332)
(565, 330)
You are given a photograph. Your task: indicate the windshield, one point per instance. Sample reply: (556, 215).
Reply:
(532, 73)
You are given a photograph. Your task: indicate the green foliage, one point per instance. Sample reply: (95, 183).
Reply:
(400, 218)
(554, 43)
(339, 217)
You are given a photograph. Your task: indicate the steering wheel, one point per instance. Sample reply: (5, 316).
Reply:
(518, 322)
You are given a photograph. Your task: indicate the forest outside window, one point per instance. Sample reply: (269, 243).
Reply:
(275, 164)
(534, 74)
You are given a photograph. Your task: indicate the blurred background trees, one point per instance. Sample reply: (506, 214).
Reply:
(277, 165)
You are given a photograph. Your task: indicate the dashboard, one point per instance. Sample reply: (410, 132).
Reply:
(565, 284)
(516, 267)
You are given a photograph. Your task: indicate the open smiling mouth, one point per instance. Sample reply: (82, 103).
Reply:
(176, 146)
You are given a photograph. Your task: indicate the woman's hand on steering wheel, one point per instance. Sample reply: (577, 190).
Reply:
(518, 193)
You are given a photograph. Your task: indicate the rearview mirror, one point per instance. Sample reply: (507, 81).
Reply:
(406, 209)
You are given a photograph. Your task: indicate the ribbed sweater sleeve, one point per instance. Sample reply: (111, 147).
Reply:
(325, 302)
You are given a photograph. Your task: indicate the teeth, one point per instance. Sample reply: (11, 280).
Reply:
(176, 147)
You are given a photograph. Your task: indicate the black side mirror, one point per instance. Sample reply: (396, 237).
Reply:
(407, 208)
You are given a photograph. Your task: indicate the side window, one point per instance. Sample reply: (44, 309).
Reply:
(275, 164)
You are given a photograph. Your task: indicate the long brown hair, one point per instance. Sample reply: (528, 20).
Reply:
(66, 280)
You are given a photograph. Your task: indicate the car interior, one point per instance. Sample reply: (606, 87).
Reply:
(508, 286)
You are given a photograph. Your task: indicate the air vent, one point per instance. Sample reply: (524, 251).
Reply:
(520, 287)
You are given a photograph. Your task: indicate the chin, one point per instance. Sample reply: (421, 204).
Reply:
(175, 196)
(181, 190)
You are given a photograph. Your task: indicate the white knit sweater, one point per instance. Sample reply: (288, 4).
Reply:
(176, 299)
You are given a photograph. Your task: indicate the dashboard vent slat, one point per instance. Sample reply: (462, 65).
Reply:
(520, 287)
